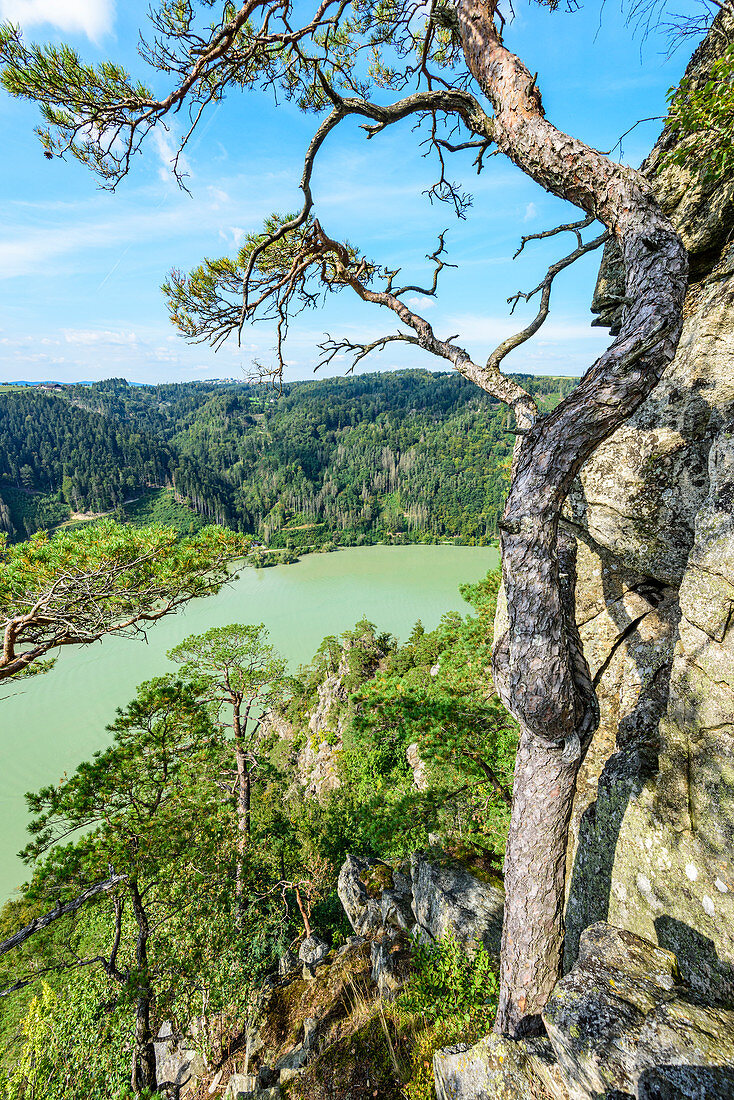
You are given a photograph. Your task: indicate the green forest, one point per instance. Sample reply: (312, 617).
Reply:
(405, 456)
(199, 898)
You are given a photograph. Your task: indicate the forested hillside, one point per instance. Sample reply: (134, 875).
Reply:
(407, 455)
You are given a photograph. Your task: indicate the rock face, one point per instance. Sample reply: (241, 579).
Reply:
(447, 898)
(620, 1025)
(431, 898)
(620, 1017)
(317, 760)
(498, 1069)
(179, 1066)
(653, 822)
(374, 895)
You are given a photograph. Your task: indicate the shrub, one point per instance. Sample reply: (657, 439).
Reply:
(451, 998)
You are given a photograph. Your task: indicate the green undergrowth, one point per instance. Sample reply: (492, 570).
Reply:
(373, 1047)
(62, 1051)
(23, 513)
(161, 506)
(451, 998)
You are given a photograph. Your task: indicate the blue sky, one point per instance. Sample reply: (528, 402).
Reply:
(80, 268)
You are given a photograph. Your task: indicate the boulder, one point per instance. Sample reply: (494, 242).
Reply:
(498, 1069)
(241, 1086)
(374, 895)
(313, 951)
(390, 958)
(595, 1014)
(622, 1024)
(287, 963)
(448, 898)
(441, 896)
(294, 1061)
(179, 1067)
(686, 1052)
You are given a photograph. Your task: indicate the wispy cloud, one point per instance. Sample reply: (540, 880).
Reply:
(486, 328)
(89, 337)
(35, 248)
(94, 18)
(167, 147)
(421, 304)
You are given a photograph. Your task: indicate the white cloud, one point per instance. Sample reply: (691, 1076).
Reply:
(88, 337)
(29, 249)
(421, 303)
(488, 329)
(167, 147)
(234, 236)
(218, 196)
(530, 212)
(94, 18)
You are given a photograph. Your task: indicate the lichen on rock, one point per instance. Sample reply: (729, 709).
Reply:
(652, 831)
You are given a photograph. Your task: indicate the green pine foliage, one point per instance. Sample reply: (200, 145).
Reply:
(431, 694)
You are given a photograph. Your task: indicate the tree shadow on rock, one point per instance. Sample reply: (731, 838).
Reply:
(698, 959)
(686, 1083)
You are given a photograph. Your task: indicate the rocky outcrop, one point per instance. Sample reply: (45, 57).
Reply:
(432, 897)
(417, 765)
(317, 760)
(653, 821)
(374, 895)
(621, 1015)
(620, 1025)
(312, 1036)
(449, 900)
(179, 1064)
(312, 953)
(499, 1069)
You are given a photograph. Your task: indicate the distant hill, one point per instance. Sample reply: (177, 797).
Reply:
(405, 456)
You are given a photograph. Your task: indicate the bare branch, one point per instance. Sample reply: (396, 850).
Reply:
(447, 100)
(331, 348)
(60, 910)
(570, 227)
(489, 378)
(545, 286)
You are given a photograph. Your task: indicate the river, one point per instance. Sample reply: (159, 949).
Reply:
(51, 723)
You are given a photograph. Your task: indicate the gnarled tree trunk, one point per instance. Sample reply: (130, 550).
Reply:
(539, 668)
(143, 1068)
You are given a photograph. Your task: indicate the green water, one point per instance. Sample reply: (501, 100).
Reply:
(51, 723)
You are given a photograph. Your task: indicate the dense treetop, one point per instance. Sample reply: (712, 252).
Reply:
(408, 453)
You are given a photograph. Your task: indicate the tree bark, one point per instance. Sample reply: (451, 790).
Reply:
(538, 666)
(243, 800)
(143, 1074)
(60, 910)
(305, 917)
